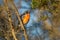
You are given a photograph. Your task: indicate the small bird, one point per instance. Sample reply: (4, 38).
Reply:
(25, 17)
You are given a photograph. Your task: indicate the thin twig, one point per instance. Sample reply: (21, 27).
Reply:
(18, 15)
(10, 20)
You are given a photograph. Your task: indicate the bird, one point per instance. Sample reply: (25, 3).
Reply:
(25, 17)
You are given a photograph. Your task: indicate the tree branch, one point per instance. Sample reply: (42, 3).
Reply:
(10, 20)
(18, 15)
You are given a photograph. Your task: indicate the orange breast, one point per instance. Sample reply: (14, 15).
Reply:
(26, 18)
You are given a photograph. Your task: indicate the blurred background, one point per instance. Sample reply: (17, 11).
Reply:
(44, 23)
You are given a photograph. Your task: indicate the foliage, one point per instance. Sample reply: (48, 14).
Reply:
(52, 6)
